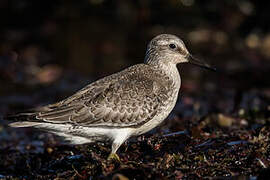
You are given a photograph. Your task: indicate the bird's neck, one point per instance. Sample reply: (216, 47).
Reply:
(170, 70)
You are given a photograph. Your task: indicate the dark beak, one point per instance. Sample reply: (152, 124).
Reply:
(199, 63)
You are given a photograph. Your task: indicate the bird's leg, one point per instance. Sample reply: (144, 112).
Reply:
(113, 155)
(117, 142)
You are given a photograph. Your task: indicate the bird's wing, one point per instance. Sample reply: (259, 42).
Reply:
(126, 99)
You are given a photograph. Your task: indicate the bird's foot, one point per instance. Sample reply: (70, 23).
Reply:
(113, 157)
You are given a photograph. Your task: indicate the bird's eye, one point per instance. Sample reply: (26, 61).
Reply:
(172, 46)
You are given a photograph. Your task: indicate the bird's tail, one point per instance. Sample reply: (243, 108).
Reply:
(25, 119)
(23, 124)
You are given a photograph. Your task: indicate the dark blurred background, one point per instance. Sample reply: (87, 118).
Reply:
(49, 49)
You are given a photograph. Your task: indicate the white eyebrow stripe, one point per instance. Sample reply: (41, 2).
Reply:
(162, 42)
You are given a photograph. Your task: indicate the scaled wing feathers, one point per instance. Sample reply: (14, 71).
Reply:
(126, 99)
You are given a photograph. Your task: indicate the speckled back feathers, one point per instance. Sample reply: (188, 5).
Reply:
(125, 99)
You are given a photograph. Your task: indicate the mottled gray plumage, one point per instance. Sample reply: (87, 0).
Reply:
(125, 99)
(124, 104)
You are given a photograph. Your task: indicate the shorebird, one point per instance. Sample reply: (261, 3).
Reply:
(128, 103)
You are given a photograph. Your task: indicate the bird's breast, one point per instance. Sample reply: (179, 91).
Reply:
(168, 101)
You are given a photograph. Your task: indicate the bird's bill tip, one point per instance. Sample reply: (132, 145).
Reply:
(199, 63)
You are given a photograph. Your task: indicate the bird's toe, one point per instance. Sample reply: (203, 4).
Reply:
(113, 157)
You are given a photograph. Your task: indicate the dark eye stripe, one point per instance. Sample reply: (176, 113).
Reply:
(182, 51)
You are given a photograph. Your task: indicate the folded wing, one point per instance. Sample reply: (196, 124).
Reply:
(126, 99)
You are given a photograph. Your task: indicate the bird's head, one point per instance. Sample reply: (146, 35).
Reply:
(169, 49)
